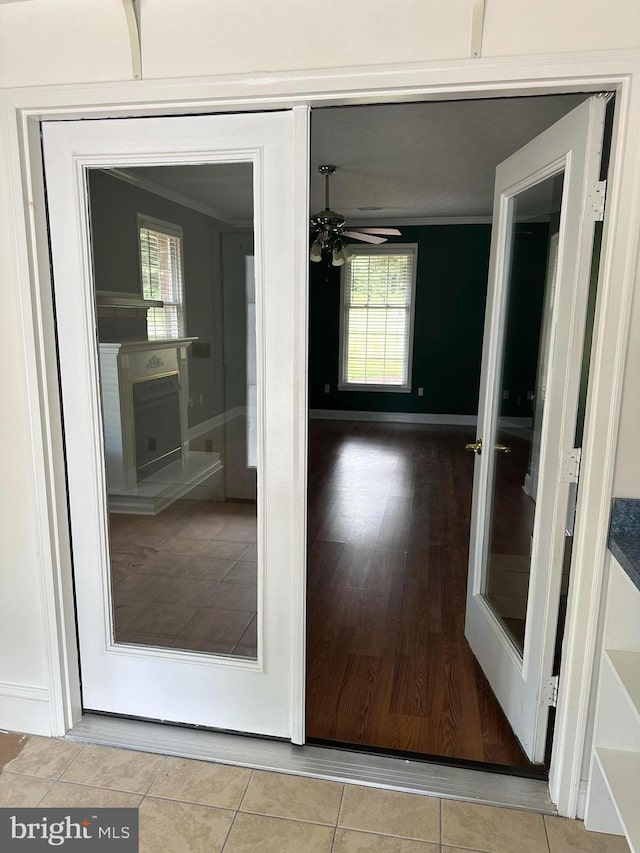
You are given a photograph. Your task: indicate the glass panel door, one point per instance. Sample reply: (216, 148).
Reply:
(540, 266)
(172, 335)
(180, 380)
(534, 221)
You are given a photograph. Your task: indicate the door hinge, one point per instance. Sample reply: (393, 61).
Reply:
(550, 692)
(570, 465)
(596, 201)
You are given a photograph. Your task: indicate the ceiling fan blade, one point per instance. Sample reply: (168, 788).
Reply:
(392, 232)
(366, 238)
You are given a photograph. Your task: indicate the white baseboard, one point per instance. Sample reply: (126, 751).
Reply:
(506, 424)
(581, 805)
(393, 417)
(214, 423)
(25, 709)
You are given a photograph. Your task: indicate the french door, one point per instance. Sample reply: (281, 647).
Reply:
(523, 469)
(180, 374)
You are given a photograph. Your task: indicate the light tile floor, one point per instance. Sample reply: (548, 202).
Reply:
(199, 807)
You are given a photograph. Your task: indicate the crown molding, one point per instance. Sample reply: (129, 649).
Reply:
(398, 221)
(171, 195)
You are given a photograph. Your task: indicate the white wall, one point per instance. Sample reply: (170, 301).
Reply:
(23, 679)
(65, 41)
(627, 473)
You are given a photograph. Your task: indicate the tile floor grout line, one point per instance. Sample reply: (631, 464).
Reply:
(88, 785)
(335, 830)
(69, 764)
(244, 793)
(72, 762)
(395, 837)
(6, 772)
(344, 791)
(159, 771)
(46, 793)
(546, 834)
(231, 825)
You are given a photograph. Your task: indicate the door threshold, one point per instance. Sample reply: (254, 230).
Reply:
(318, 762)
(533, 771)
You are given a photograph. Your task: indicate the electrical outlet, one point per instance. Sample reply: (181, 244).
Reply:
(152, 443)
(420, 392)
(327, 389)
(208, 445)
(201, 399)
(505, 394)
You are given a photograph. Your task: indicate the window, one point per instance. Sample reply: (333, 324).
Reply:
(161, 273)
(378, 287)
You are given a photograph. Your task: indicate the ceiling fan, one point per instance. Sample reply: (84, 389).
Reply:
(328, 231)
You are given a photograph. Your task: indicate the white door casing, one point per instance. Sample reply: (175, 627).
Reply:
(572, 146)
(251, 696)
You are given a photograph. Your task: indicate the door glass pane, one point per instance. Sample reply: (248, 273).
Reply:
(178, 386)
(533, 253)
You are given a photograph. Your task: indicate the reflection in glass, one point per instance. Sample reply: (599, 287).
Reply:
(175, 306)
(533, 251)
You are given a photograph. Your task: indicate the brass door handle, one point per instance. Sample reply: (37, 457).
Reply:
(502, 448)
(475, 447)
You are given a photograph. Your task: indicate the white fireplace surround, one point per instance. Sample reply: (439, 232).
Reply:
(123, 364)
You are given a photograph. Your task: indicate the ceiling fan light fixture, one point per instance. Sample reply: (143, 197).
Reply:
(338, 258)
(315, 254)
(328, 229)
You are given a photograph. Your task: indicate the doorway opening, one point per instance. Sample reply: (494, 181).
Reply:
(390, 485)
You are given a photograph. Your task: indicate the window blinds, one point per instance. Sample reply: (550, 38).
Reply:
(161, 265)
(378, 296)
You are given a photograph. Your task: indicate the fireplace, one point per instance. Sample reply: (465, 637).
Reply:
(156, 420)
(145, 394)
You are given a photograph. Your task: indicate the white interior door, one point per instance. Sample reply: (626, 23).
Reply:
(517, 532)
(186, 602)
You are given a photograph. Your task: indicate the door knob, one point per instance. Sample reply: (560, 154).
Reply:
(475, 447)
(502, 448)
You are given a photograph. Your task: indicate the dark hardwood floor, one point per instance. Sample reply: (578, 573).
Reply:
(388, 665)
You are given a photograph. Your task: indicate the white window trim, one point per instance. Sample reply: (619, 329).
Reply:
(389, 248)
(171, 230)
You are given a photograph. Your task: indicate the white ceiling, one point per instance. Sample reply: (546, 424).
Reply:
(395, 161)
(422, 160)
(221, 190)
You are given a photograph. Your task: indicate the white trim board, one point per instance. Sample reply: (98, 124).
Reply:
(374, 771)
(25, 709)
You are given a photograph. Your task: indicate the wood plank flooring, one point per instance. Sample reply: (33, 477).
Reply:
(388, 665)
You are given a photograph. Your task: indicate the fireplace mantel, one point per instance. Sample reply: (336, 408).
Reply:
(163, 343)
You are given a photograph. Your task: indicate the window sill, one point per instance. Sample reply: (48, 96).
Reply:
(388, 389)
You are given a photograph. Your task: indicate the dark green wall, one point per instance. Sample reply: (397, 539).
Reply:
(449, 319)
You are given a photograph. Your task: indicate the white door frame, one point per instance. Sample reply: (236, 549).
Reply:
(26, 265)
